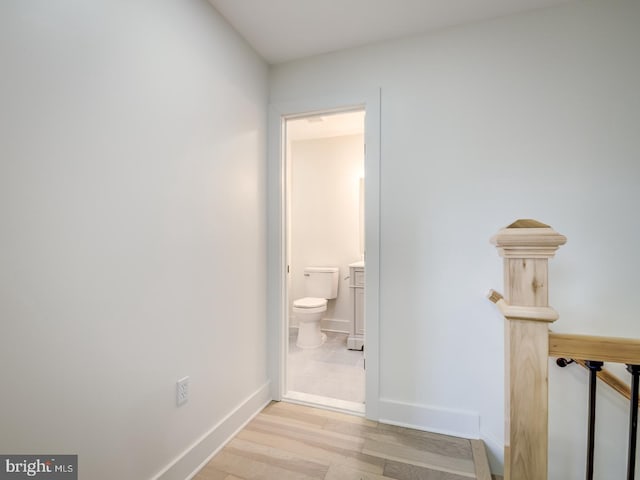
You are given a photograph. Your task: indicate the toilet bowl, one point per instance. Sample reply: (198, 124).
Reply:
(308, 312)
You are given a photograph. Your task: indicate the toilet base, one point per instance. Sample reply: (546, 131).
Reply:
(310, 335)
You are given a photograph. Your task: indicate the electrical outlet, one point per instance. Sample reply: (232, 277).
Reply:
(182, 391)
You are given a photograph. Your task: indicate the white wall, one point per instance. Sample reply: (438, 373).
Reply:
(530, 116)
(132, 236)
(325, 176)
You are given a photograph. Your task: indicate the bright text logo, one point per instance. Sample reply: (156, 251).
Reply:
(42, 467)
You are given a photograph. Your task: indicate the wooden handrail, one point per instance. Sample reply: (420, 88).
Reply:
(582, 348)
(588, 347)
(591, 352)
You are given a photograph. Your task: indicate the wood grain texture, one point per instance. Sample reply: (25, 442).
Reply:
(536, 314)
(288, 441)
(528, 223)
(483, 472)
(528, 242)
(528, 414)
(587, 347)
(526, 246)
(527, 282)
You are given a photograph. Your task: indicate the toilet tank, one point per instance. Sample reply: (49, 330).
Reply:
(321, 282)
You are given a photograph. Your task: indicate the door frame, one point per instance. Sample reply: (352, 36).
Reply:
(276, 234)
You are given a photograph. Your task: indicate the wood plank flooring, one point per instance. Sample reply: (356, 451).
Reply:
(293, 442)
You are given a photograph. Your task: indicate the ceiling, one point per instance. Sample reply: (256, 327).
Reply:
(284, 30)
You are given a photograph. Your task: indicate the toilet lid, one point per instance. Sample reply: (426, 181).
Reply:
(310, 302)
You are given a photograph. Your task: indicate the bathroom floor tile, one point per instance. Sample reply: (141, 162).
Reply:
(330, 370)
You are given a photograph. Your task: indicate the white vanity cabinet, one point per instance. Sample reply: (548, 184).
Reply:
(356, 285)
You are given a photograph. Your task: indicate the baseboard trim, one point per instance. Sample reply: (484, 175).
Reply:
(328, 325)
(187, 464)
(459, 423)
(335, 325)
(327, 403)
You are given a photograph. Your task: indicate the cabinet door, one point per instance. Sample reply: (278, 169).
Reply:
(359, 310)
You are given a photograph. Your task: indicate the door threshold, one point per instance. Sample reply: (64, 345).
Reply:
(328, 403)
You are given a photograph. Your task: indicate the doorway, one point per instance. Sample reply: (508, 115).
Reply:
(324, 192)
(277, 261)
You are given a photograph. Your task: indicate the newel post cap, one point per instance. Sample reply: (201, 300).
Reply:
(526, 238)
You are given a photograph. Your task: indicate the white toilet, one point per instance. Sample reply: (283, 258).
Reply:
(320, 285)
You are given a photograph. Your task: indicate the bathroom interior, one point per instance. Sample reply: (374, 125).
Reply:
(325, 254)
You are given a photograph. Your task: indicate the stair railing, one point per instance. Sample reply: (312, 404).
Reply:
(581, 348)
(526, 246)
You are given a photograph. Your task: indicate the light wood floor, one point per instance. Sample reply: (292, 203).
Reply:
(287, 441)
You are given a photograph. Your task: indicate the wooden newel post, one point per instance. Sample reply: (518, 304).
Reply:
(526, 246)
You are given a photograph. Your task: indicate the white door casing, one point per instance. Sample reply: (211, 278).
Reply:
(276, 235)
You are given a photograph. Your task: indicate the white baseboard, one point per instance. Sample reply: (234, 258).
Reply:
(459, 423)
(334, 404)
(328, 325)
(187, 465)
(335, 325)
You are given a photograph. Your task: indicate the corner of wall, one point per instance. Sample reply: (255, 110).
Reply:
(187, 464)
(495, 452)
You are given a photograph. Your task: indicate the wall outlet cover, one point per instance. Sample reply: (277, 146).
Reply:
(182, 391)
